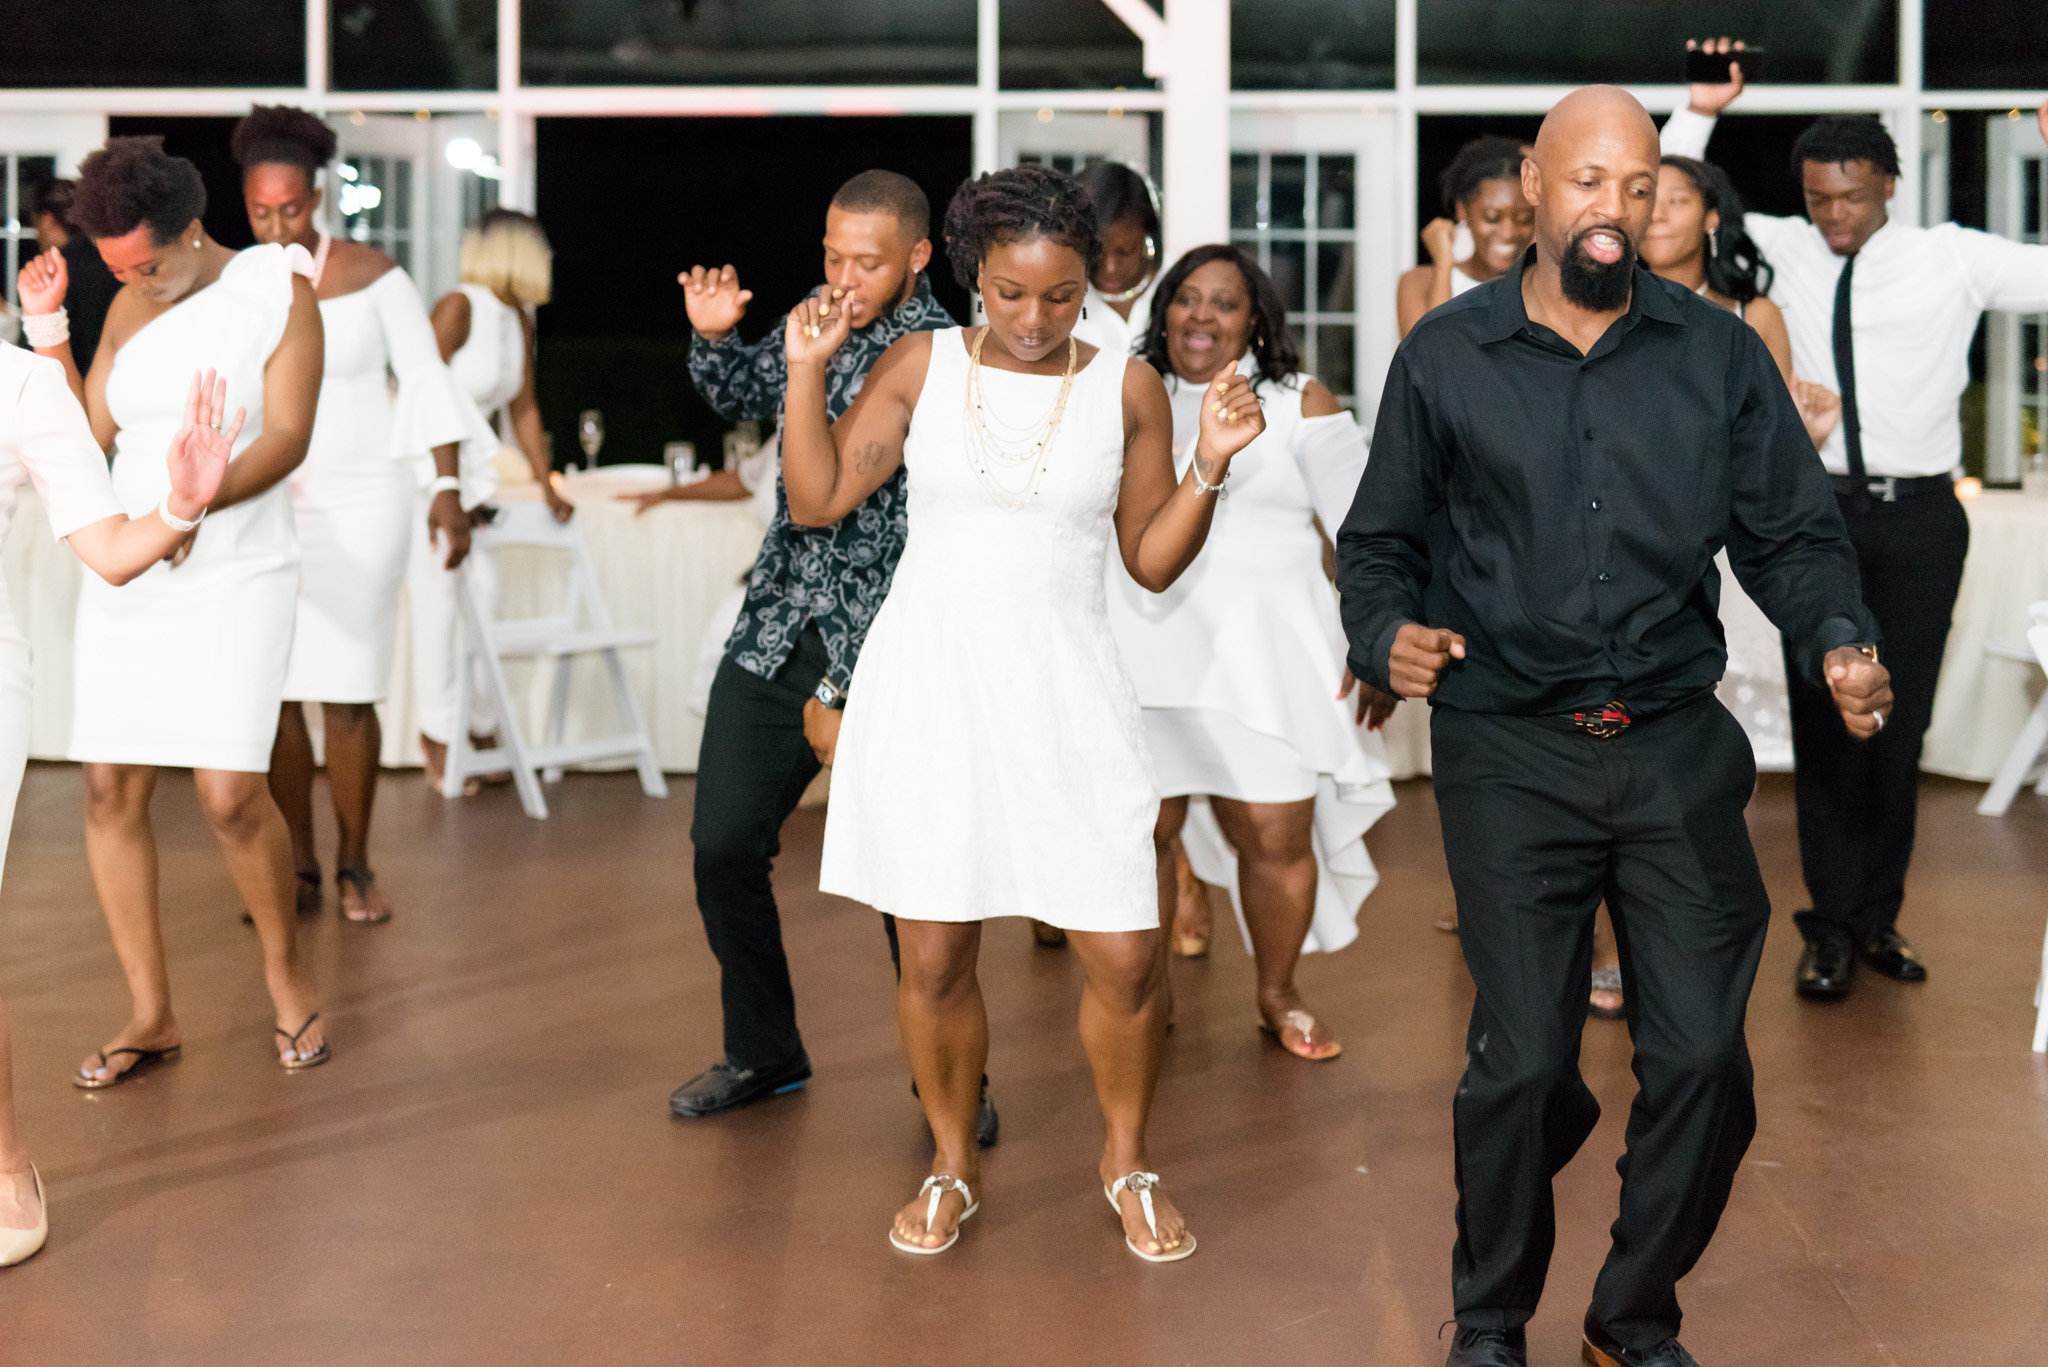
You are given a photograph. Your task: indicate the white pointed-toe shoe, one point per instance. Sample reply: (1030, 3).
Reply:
(18, 1245)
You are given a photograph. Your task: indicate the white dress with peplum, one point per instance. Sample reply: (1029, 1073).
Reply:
(184, 666)
(992, 761)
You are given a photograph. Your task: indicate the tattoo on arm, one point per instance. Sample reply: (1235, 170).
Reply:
(1205, 464)
(868, 458)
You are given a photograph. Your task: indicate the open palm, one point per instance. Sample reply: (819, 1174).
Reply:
(199, 454)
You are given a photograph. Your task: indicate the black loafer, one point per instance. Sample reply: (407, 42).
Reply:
(1669, 1353)
(722, 1087)
(1891, 954)
(1489, 1348)
(1826, 968)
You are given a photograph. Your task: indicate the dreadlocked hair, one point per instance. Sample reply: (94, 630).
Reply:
(1018, 205)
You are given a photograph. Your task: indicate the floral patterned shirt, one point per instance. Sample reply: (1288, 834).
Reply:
(834, 576)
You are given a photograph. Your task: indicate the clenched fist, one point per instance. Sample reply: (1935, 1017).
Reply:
(1419, 658)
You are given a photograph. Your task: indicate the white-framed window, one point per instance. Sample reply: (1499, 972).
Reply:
(20, 176)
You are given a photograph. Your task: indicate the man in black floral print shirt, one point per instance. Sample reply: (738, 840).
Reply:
(813, 594)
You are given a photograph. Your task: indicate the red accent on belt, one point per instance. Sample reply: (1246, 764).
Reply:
(1609, 722)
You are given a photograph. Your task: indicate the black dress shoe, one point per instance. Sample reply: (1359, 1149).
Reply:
(722, 1087)
(1669, 1353)
(1891, 954)
(1489, 1348)
(1826, 968)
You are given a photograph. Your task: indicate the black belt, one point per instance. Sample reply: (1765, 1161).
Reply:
(1891, 488)
(1614, 718)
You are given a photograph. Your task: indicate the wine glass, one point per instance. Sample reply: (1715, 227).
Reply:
(590, 435)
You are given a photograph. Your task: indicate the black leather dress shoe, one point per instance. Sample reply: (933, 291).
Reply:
(1891, 954)
(1489, 1348)
(1669, 1353)
(722, 1087)
(1826, 968)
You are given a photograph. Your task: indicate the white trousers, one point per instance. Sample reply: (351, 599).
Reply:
(436, 617)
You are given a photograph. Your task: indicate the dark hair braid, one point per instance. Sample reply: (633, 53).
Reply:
(1018, 205)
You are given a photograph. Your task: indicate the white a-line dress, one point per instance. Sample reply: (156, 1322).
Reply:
(992, 761)
(184, 667)
(1238, 664)
(354, 497)
(44, 437)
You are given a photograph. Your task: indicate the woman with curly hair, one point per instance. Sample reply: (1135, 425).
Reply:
(992, 761)
(184, 668)
(1240, 665)
(352, 499)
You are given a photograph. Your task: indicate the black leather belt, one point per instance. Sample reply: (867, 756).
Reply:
(1891, 488)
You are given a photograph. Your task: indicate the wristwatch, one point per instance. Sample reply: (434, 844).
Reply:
(829, 693)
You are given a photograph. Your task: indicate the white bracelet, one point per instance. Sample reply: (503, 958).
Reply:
(47, 329)
(173, 521)
(1217, 488)
(444, 484)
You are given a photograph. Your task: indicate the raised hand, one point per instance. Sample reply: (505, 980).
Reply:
(1711, 98)
(1420, 656)
(43, 283)
(1862, 690)
(1820, 408)
(815, 329)
(1439, 238)
(198, 455)
(714, 300)
(1231, 418)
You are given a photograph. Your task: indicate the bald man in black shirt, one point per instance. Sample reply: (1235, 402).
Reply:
(1560, 453)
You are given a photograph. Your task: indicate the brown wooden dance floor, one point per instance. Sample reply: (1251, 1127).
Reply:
(488, 1174)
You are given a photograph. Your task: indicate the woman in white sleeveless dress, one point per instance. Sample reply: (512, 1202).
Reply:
(352, 499)
(484, 329)
(1482, 193)
(185, 667)
(991, 761)
(44, 437)
(1240, 665)
(1118, 310)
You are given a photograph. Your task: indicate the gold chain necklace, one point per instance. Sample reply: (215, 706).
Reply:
(996, 448)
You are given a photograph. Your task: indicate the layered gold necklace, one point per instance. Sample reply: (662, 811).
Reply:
(1008, 458)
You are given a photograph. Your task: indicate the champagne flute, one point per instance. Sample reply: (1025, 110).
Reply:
(590, 435)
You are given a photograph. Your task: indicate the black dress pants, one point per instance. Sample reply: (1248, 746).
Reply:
(1857, 800)
(751, 772)
(1542, 821)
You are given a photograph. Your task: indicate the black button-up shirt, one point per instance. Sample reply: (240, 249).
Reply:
(1562, 512)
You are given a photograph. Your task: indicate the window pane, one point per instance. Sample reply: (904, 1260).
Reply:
(1336, 191)
(1312, 44)
(1064, 45)
(150, 43)
(1336, 358)
(1244, 189)
(1985, 45)
(1289, 269)
(1336, 281)
(1504, 42)
(1287, 204)
(413, 45)
(747, 42)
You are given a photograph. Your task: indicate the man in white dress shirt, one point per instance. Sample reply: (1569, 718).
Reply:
(1882, 313)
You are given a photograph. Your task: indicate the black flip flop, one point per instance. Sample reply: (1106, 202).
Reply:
(145, 1060)
(304, 1061)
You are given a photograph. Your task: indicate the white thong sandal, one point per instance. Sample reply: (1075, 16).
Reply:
(938, 1185)
(1143, 1184)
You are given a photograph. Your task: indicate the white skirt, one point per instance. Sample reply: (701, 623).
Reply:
(354, 521)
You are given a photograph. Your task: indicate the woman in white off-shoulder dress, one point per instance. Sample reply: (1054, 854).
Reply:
(44, 437)
(991, 761)
(184, 668)
(1239, 664)
(352, 499)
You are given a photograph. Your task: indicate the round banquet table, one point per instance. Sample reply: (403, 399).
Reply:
(666, 570)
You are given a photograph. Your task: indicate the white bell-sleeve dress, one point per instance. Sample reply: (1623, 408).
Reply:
(43, 437)
(354, 497)
(184, 667)
(1238, 664)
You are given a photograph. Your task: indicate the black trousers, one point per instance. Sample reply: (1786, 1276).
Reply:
(1857, 800)
(751, 772)
(1541, 822)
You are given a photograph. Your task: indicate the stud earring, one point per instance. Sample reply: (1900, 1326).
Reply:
(195, 244)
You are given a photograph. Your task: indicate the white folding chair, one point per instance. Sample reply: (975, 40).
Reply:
(2032, 746)
(559, 639)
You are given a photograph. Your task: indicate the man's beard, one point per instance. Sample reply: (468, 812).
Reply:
(1593, 285)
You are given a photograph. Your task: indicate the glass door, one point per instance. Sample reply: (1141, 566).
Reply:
(2016, 351)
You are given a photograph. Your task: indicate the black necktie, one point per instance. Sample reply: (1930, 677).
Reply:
(1845, 373)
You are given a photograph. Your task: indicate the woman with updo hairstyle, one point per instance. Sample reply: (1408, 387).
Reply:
(1239, 666)
(1482, 193)
(1118, 308)
(484, 329)
(372, 457)
(184, 668)
(992, 760)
